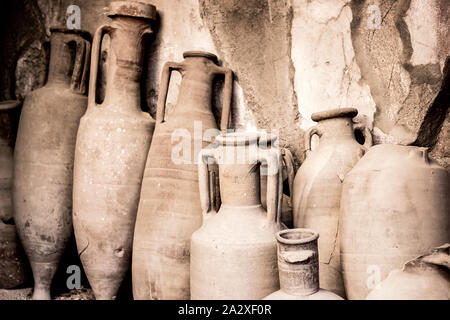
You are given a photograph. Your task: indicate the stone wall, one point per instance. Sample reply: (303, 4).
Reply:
(290, 58)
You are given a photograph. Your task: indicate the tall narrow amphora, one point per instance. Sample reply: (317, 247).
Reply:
(234, 253)
(318, 185)
(112, 144)
(44, 155)
(13, 264)
(169, 207)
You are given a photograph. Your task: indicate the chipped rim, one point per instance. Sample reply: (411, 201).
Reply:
(313, 235)
(134, 9)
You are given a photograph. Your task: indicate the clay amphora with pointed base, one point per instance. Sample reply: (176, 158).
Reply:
(169, 207)
(233, 254)
(318, 184)
(112, 145)
(44, 154)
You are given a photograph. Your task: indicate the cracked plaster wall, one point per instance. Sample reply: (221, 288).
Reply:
(290, 58)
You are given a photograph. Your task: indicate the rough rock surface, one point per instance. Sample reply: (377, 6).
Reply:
(290, 58)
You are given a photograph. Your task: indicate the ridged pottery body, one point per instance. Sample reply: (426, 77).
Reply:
(298, 267)
(13, 264)
(285, 204)
(395, 205)
(44, 155)
(112, 144)
(233, 254)
(318, 185)
(424, 278)
(169, 207)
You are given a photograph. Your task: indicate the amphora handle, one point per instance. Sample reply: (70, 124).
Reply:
(95, 58)
(81, 66)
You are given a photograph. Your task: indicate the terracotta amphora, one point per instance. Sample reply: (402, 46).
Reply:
(318, 185)
(44, 155)
(169, 207)
(287, 161)
(13, 264)
(234, 254)
(424, 278)
(112, 144)
(298, 267)
(395, 206)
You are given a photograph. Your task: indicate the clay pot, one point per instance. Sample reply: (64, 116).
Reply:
(394, 206)
(287, 170)
(318, 185)
(43, 157)
(424, 278)
(13, 263)
(169, 207)
(112, 144)
(298, 267)
(233, 254)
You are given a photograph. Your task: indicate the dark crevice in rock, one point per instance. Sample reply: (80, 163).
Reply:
(21, 23)
(289, 19)
(436, 114)
(424, 73)
(403, 30)
(400, 112)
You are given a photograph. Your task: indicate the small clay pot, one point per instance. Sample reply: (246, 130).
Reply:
(298, 267)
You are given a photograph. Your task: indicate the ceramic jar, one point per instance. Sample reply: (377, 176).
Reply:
(44, 156)
(318, 186)
(169, 207)
(112, 145)
(395, 206)
(233, 254)
(298, 267)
